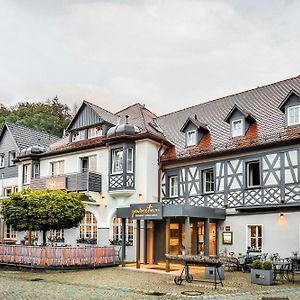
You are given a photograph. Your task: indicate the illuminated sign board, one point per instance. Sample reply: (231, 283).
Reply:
(146, 211)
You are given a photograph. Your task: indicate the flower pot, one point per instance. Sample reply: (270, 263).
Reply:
(262, 277)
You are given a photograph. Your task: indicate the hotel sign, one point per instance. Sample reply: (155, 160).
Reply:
(58, 183)
(146, 211)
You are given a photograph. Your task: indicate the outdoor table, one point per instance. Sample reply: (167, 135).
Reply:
(283, 269)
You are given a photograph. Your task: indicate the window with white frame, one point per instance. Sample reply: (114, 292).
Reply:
(78, 136)
(95, 132)
(293, 115)
(56, 235)
(117, 161)
(253, 173)
(89, 163)
(173, 186)
(26, 174)
(8, 191)
(11, 158)
(15, 189)
(191, 138)
(130, 160)
(208, 181)
(36, 171)
(88, 227)
(117, 231)
(237, 128)
(255, 237)
(10, 233)
(2, 160)
(57, 168)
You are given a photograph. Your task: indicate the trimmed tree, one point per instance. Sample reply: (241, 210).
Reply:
(43, 210)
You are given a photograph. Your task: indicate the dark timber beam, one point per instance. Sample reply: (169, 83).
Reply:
(167, 243)
(206, 237)
(123, 241)
(138, 245)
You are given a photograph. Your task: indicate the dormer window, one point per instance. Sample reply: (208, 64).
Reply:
(293, 115)
(237, 128)
(78, 136)
(191, 138)
(95, 132)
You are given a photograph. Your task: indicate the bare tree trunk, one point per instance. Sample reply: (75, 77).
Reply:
(44, 237)
(29, 237)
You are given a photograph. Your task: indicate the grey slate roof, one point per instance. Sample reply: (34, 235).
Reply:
(25, 137)
(262, 102)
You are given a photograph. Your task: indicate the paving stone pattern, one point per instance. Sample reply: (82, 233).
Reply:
(117, 283)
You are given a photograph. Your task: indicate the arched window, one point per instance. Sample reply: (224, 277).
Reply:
(117, 231)
(88, 227)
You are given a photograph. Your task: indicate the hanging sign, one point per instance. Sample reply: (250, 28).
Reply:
(146, 211)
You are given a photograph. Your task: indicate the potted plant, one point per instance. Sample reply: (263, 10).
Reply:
(262, 272)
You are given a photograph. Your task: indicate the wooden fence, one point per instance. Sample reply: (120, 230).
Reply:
(37, 256)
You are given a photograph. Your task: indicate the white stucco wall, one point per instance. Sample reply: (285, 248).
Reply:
(279, 235)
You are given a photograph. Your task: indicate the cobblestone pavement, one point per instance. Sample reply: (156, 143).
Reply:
(114, 283)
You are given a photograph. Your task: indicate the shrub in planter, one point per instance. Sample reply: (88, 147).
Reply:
(262, 273)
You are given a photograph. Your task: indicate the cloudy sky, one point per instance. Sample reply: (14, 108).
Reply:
(166, 54)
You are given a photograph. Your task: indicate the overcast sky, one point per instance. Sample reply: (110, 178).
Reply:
(165, 54)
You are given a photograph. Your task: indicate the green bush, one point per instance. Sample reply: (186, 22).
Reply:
(256, 264)
(267, 265)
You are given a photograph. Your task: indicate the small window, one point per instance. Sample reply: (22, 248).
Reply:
(95, 132)
(208, 181)
(89, 164)
(8, 191)
(237, 128)
(2, 160)
(56, 236)
(117, 161)
(12, 157)
(36, 171)
(173, 186)
(26, 174)
(293, 116)
(191, 138)
(255, 237)
(88, 227)
(117, 231)
(57, 168)
(10, 234)
(78, 136)
(16, 189)
(130, 160)
(253, 174)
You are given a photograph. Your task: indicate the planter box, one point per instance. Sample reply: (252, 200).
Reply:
(210, 273)
(262, 277)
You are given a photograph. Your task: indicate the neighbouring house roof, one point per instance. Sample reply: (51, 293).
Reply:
(26, 137)
(261, 102)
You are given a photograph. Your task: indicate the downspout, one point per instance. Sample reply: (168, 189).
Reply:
(159, 172)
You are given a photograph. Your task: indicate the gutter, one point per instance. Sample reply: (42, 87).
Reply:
(159, 171)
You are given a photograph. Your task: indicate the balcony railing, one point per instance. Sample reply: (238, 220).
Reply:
(74, 182)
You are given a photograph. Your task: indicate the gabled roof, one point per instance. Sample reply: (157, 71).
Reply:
(289, 95)
(261, 102)
(141, 117)
(245, 113)
(103, 114)
(26, 137)
(196, 122)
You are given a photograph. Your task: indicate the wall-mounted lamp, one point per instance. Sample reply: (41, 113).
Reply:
(281, 216)
(140, 198)
(103, 201)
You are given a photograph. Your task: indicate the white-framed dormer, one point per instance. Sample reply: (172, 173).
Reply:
(191, 138)
(293, 115)
(237, 127)
(239, 120)
(290, 106)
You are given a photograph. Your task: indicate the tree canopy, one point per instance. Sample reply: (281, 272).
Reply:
(50, 116)
(43, 210)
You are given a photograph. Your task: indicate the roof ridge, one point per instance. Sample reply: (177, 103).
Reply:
(134, 104)
(227, 96)
(33, 129)
(90, 103)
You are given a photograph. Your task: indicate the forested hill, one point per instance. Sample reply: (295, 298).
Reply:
(50, 116)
